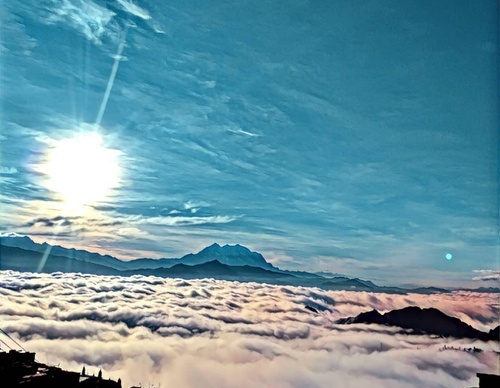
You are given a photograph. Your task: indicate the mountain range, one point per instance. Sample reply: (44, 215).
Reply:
(228, 262)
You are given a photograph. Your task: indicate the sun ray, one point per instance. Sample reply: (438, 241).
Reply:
(111, 80)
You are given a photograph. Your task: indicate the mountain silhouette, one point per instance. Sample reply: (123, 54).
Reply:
(23, 260)
(236, 255)
(217, 270)
(21, 253)
(423, 321)
(228, 254)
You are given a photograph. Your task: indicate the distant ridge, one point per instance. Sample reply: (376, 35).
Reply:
(21, 253)
(227, 254)
(26, 243)
(216, 269)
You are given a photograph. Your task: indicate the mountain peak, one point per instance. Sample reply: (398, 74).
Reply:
(212, 247)
(226, 249)
(228, 254)
(236, 248)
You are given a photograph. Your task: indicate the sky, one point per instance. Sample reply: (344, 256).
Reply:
(352, 137)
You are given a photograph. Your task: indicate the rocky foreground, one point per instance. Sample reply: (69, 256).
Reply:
(22, 369)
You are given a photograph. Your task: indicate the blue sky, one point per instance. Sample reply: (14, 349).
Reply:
(354, 137)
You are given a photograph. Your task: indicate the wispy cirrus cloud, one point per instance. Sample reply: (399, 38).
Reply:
(8, 170)
(193, 206)
(134, 9)
(49, 222)
(184, 221)
(89, 18)
(243, 132)
(487, 275)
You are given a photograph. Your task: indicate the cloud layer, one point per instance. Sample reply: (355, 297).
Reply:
(207, 333)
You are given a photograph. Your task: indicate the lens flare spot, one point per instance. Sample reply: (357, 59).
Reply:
(448, 256)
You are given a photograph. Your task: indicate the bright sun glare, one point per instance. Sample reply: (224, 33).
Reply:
(81, 170)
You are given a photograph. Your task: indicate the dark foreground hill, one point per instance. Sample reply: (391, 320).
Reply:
(423, 321)
(20, 369)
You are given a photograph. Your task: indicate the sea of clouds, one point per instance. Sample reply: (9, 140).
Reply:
(210, 333)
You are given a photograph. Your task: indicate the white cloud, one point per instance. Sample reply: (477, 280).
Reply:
(207, 333)
(184, 221)
(8, 170)
(209, 84)
(487, 275)
(194, 206)
(86, 16)
(134, 9)
(10, 234)
(242, 132)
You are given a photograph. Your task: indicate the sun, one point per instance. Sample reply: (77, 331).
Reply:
(81, 170)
